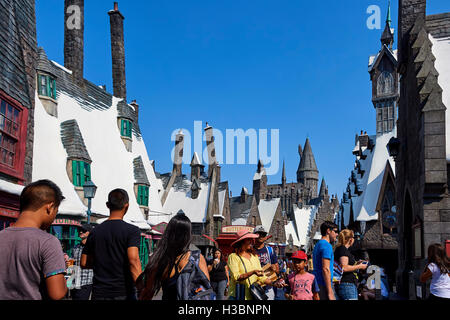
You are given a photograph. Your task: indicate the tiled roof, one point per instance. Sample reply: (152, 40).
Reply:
(73, 141)
(139, 171)
(438, 25)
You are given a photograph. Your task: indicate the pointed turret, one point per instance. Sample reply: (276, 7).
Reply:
(323, 189)
(387, 38)
(307, 173)
(283, 176)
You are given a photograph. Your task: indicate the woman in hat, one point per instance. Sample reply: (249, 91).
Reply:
(244, 266)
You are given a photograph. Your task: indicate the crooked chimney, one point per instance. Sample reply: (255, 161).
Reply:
(118, 53)
(74, 38)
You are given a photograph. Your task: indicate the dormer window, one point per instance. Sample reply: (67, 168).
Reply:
(81, 172)
(47, 86)
(142, 196)
(125, 128)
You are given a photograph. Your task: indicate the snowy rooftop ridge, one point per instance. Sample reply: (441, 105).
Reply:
(369, 177)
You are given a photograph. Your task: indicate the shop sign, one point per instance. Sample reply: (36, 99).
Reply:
(9, 213)
(67, 222)
(235, 229)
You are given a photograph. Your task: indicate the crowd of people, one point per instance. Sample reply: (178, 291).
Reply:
(106, 263)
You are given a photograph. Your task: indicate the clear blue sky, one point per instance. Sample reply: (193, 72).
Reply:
(297, 66)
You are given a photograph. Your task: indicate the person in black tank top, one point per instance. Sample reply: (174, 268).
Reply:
(218, 271)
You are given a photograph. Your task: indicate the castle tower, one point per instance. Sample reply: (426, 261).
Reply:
(307, 173)
(384, 77)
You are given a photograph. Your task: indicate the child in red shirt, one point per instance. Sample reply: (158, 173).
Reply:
(302, 284)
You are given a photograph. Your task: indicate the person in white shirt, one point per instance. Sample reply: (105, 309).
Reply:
(438, 269)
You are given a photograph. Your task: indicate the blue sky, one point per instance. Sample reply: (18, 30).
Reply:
(297, 66)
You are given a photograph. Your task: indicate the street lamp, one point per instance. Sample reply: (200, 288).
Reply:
(393, 147)
(89, 189)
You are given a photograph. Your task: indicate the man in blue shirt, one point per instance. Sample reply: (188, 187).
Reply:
(323, 259)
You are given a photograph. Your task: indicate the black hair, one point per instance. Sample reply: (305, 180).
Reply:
(174, 242)
(39, 193)
(117, 199)
(221, 253)
(325, 226)
(437, 255)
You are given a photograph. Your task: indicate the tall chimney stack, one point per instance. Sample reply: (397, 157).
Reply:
(74, 38)
(118, 53)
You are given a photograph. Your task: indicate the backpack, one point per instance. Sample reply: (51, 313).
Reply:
(192, 283)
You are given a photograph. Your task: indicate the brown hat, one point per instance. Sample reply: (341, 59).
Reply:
(244, 234)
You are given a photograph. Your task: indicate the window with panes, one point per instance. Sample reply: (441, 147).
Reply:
(81, 172)
(47, 86)
(142, 197)
(385, 116)
(125, 128)
(9, 133)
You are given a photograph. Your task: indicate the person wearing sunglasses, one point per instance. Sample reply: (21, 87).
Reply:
(323, 258)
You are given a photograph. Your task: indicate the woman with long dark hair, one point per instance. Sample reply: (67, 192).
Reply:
(438, 269)
(169, 259)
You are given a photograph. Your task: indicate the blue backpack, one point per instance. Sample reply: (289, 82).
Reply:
(192, 283)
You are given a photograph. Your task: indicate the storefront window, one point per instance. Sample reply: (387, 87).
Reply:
(67, 235)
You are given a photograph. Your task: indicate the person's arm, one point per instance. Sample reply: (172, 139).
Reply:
(56, 286)
(203, 266)
(228, 275)
(426, 275)
(54, 268)
(86, 261)
(348, 268)
(316, 296)
(233, 265)
(135, 262)
(210, 267)
(327, 278)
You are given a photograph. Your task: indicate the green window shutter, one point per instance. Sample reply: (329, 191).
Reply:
(49, 86)
(129, 127)
(122, 127)
(76, 173)
(146, 196)
(87, 172)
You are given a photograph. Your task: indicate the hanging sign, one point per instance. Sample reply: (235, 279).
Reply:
(66, 222)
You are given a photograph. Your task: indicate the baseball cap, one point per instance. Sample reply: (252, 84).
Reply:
(299, 255)
(259, 229)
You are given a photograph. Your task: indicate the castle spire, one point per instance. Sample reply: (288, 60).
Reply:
(307, 173)
(387, 38)
(283, 176)
(323, 188)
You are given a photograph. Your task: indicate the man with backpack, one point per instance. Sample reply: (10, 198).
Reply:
(266, 256)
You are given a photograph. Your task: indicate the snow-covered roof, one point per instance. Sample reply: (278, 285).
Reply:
(304, 218)
(441, 50)
(267, 210)
(11, 187)
(112, 165)
(239, 222)
(373, 59)
(258, 175)
(180, 198)
(373, 165)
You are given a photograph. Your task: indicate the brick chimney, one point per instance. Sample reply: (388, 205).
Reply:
(118, 53)
(74, 38)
